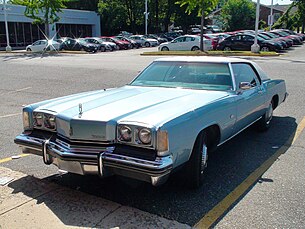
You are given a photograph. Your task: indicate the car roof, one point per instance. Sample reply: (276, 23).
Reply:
(206, 59)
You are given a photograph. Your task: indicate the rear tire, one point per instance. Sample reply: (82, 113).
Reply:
(195, 48)
(226, 48)
(198, 162)
(265, 49)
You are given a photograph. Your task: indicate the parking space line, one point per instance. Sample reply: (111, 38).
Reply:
(10, 158)
(10, 115)
(301, 126)
(215, 213)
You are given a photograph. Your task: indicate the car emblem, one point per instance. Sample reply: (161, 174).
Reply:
(80, 108)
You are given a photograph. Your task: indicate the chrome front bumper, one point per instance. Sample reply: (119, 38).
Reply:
(96, 160)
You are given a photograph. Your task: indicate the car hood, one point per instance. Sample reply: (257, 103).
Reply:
(94, 115)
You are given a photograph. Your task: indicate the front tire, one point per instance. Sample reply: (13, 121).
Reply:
(264, 123)
(147, 44)
(198, 162)
(164, 48)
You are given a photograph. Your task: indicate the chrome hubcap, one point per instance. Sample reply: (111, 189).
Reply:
(204, 158)
(269, 114)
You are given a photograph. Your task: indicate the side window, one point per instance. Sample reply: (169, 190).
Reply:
(181, 39)
(188, 39)
(244, 73)
(248, 38)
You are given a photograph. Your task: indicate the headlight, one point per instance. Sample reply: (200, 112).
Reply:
(26, 120)
(38, 119)
(145, 136)
(125, 133)
(44, 121)
(49, 121)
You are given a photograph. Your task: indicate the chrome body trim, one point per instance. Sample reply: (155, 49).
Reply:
(96, 160)
(238, 132)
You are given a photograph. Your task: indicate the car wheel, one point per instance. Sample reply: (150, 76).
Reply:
(164, 48)
(195, 48)
(198, 162)
(29, 50)
(264, 123)
(147, 44)
(265, 49)
(226, 48)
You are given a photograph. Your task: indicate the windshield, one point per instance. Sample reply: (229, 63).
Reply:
(193, 75)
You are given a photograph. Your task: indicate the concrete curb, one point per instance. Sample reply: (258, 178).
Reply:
(28, 202)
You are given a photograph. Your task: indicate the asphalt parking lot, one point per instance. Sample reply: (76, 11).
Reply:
(256, 180)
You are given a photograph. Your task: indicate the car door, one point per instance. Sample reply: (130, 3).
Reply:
(177, 44)
(189, 43)
(237, 43)
(39, 46)
(252, 101)
(247, 42)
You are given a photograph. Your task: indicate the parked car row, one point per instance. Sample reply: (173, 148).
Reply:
(95, 44)
(275, 40)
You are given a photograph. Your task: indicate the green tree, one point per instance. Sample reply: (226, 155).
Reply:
(42, 11)
(238, 14)
(293, 19)
(203, 7)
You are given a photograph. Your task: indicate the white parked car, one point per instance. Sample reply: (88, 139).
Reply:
(42, 45)
(145, 42)
(186, 43)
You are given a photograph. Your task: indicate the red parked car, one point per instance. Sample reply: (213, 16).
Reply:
(120, 43)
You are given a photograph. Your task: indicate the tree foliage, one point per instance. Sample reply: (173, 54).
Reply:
(238, 14)
(42, 11)
(203, 7)
(292, 20)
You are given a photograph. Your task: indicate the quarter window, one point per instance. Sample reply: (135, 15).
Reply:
(244, 73)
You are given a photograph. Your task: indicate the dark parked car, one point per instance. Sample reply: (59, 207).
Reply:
(102, 47)
(296, 39)
(276, 37)
(78, 45)
(154, 36)
(243, 42)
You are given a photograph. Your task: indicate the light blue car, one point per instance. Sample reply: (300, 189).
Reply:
(170, 116)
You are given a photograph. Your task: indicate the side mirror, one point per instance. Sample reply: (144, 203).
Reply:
(245, 85)
(174, 41)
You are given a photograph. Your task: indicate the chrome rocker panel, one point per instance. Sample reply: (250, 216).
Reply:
(96, 160)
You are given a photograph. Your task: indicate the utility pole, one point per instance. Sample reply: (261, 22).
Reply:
(146, 16)
(8, 47)
(271, 16)
(255, 47)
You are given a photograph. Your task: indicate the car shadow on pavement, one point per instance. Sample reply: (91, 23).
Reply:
(29, 56)
(228, 167)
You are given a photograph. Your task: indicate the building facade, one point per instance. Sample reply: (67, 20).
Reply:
(22, 31)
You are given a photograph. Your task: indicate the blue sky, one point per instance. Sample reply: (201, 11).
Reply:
(280, 2)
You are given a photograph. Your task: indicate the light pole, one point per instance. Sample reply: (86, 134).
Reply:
(271, 15)
(255, 47)
(146, 16)
(8, 47)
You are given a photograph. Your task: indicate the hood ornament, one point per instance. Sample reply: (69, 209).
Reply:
(80, 110)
